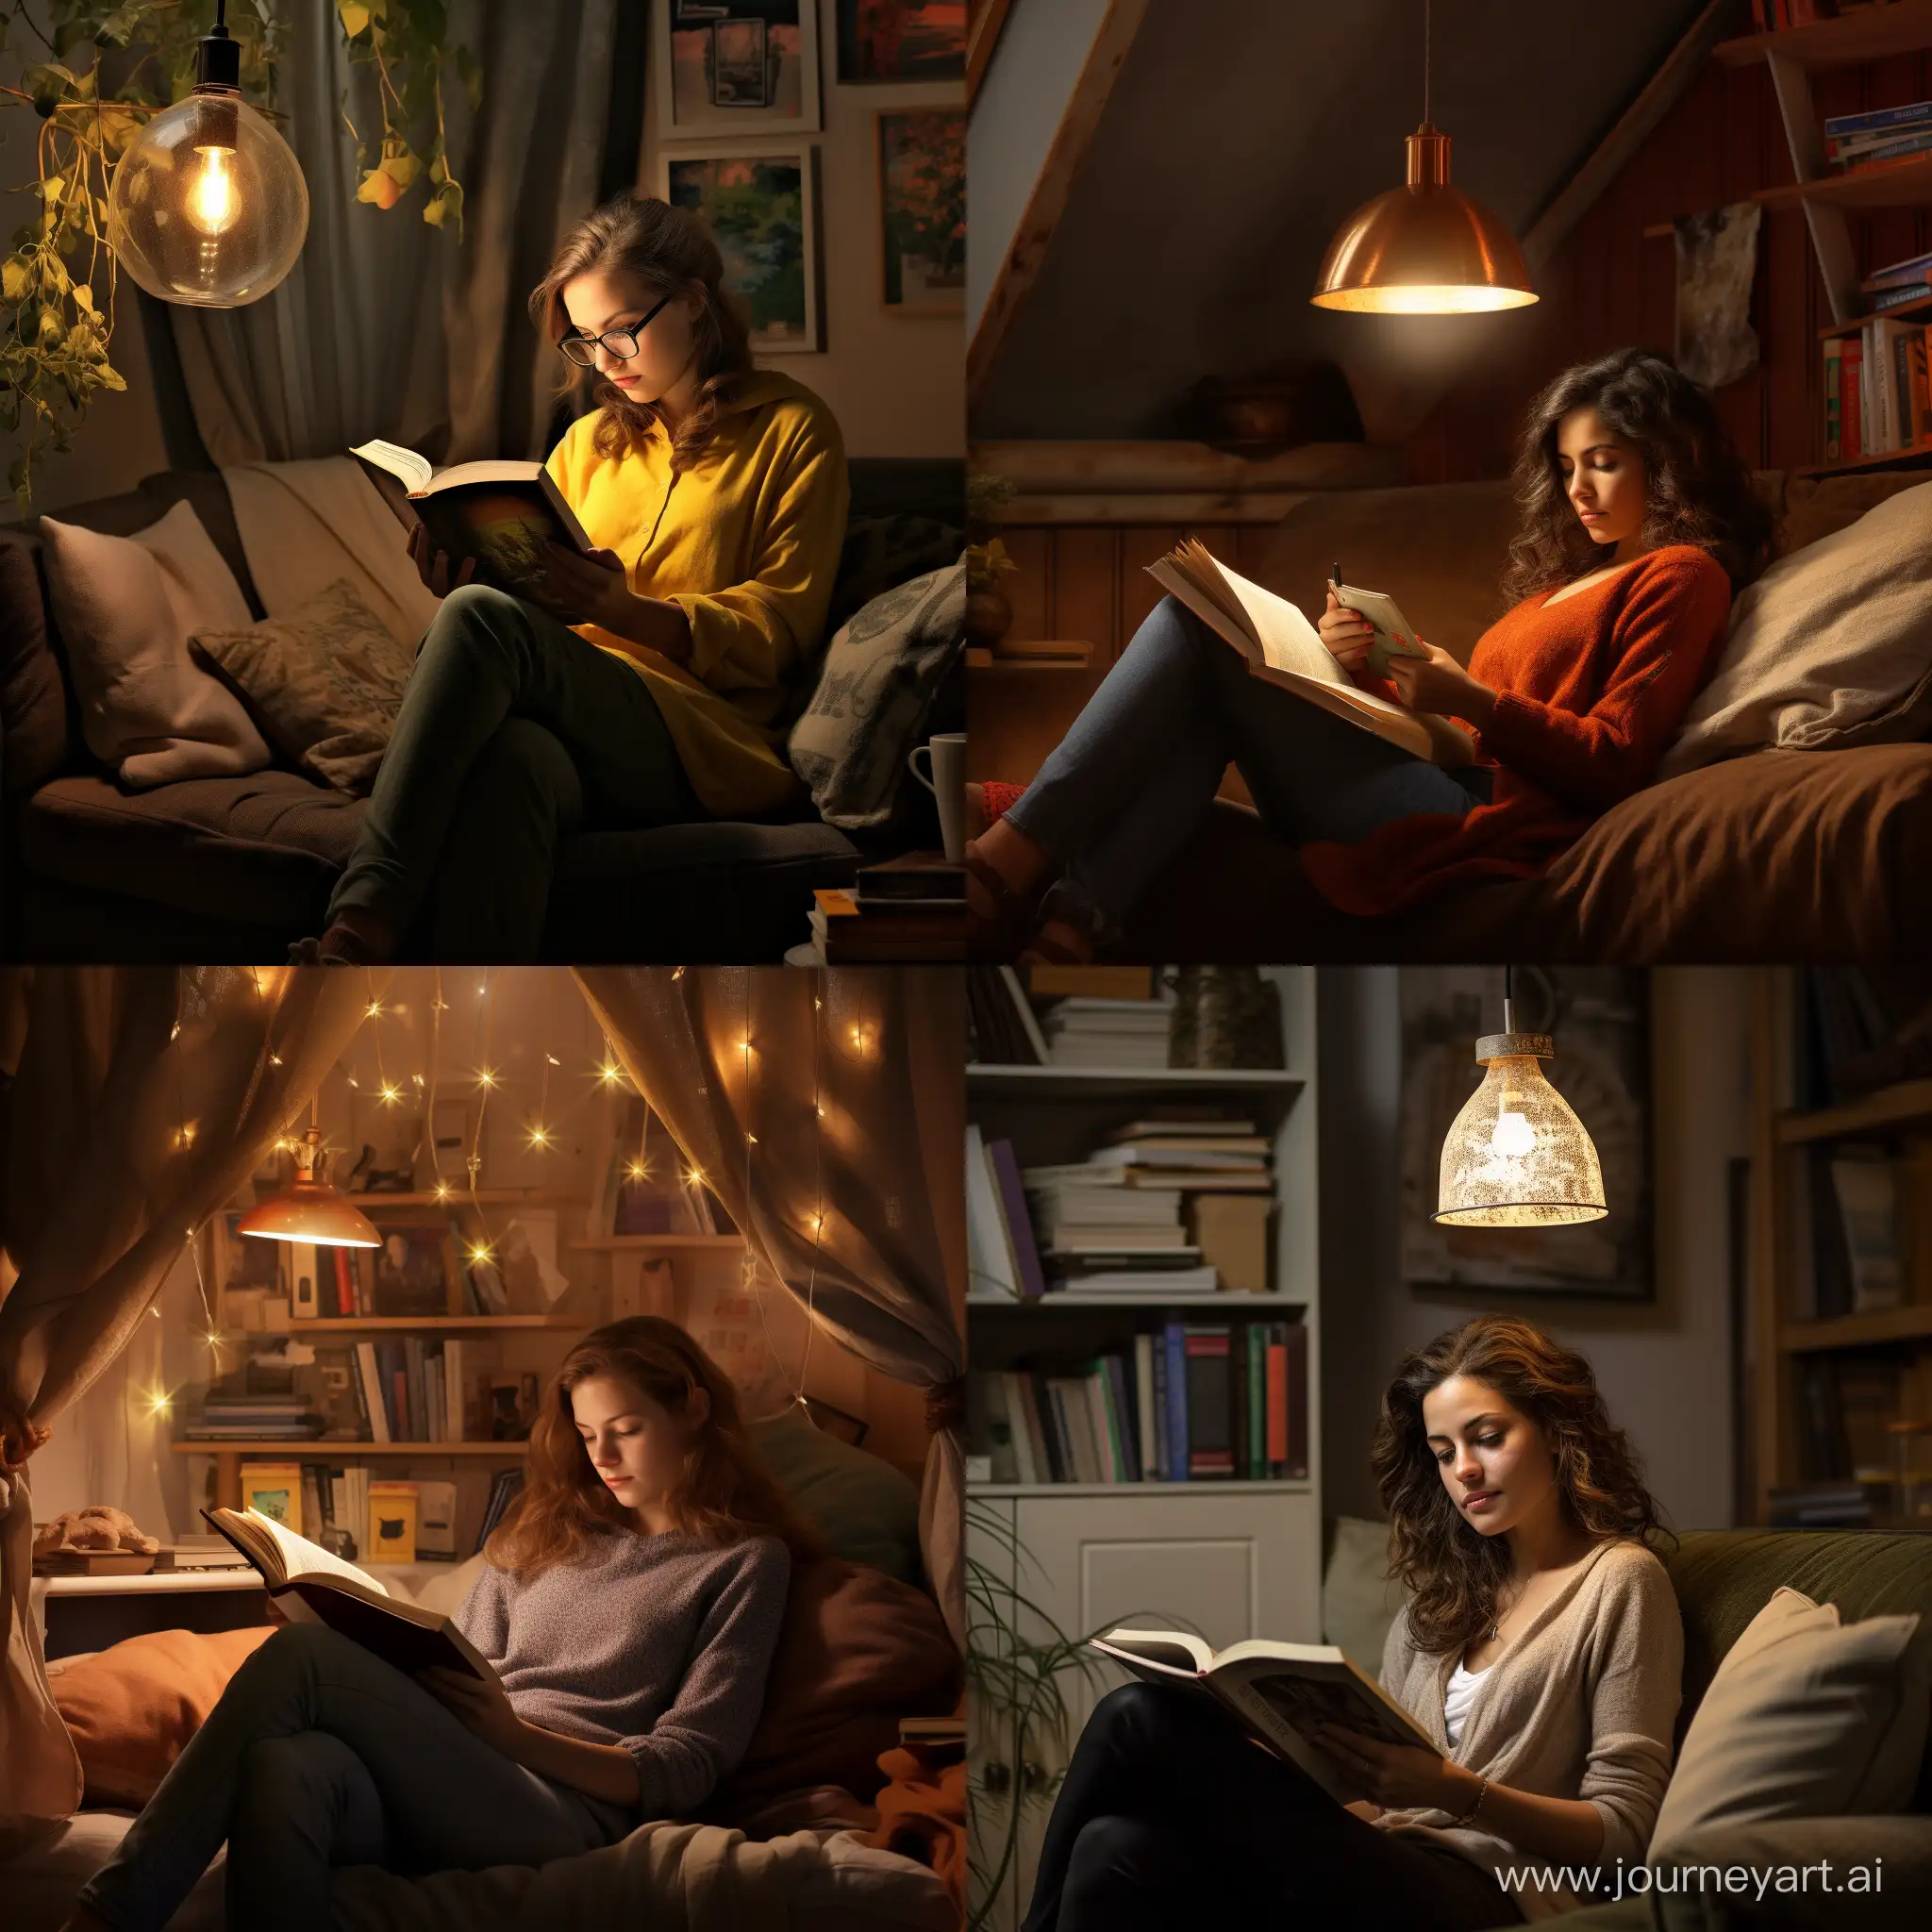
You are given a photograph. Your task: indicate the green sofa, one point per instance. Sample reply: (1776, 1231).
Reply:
(1724, 1578)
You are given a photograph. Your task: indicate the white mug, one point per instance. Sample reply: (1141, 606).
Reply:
(947, 781)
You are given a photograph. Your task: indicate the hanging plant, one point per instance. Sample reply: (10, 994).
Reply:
(92, 73)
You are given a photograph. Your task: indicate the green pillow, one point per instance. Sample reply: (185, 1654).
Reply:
(867, 1511)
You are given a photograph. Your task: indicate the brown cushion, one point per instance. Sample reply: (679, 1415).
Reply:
(266, 847)
(858, 1652)
(131, 1708)
(323, 682)
(1783, 856)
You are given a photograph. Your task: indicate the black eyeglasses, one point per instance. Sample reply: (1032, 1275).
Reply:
(622, 342)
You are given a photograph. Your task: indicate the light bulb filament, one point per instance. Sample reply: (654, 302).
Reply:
(212, 200)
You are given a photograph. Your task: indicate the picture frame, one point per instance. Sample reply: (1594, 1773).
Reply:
(1599, 1017)
(761, 205)
(919, 156)
(743, 68)
(900, 41)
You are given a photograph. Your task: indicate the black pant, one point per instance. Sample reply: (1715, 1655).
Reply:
(1171, 1820)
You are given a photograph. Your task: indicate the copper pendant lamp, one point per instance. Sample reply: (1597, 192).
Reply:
(1424, 248)
(310, 1210)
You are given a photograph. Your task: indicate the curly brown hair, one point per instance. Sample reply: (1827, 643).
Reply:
(1696, 487)
(1451, 1570)
(667, 250)
(725, 1495)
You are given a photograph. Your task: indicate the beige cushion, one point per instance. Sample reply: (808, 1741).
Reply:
(1806, 1718)
(1831, 647)
(325, 682)
(127, 607)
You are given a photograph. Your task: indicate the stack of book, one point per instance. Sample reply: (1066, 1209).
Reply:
(1001, 1025)
(1876, 400)
(1881, 134)
(907, 909)
(1195, 1401)
(243, 1418)
(1107, 1033)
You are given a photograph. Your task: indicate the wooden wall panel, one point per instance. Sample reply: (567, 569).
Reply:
(1607, 287)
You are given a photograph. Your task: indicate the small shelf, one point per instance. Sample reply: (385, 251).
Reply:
(1904, 183)
(1905, 1103)
(324, 1449)
(1903, 311)
(1870, 1329)
(1916, 458)
(442, 1324)
(1870, 33)
(1059, 1082)
(373, 1203)
(656, 1243)
(1230, 1302)
(1213, 1486)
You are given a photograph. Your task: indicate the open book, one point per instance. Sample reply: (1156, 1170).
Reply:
(1285, 649)
(1279, 1692)
(313, 1587)
(502, 513)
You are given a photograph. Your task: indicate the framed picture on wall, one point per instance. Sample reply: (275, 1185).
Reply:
(761, 207)
(901, 40)
(1600, 1018)
(921, 163)
(735, 67)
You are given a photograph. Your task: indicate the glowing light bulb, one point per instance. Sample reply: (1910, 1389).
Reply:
(639, 1171)
(539, 1137)
(374, 1009)
(443, 1190)
(486, 1078)
(391, 1093)
(606, 1072)
(1513, 1138)
(481, 1254)
(212, 203)
(158, 1402)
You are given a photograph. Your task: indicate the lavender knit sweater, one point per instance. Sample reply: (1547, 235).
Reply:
(658, 1643)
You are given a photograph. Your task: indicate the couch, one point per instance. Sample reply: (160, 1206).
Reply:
(1817, 857)
(235, 868)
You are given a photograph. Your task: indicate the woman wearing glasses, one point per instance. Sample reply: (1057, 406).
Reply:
(653, 682)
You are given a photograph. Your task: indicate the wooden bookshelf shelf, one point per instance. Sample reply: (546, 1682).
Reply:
(1870, 33)
(1229, 1303)
(1905, 311)
(322, 1449)
(1874, 1329)
(656, 1243)
(375, 1324)
(1217, 1486)
(1904, 183)
(373, 1204)
(1907, 1103)
(1057, 1082)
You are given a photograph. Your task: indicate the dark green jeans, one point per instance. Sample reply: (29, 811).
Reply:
(512, 732)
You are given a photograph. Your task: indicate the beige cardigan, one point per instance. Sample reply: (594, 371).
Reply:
(1581, 1704)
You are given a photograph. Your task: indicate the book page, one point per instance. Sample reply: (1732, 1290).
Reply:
(488, 470)
(1306, 1695)
(1166, 1650)
(411, 471)
(301, 1558)
(1289, 641)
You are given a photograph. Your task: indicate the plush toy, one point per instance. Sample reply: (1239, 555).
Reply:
(96, 1528)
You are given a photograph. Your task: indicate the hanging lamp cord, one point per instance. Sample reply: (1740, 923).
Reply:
(1428, 38)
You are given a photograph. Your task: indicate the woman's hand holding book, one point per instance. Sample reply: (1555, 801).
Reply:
(481, 1705)
(1347, 634)
(433, 566)
(594, 588)
(1398, 1776)
(1438, 683)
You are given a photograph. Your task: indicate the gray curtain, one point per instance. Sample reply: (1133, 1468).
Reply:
(134, 1101)
(799, 1093)
(386, 327)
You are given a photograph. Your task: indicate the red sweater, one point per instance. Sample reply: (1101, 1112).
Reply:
(1589, 693)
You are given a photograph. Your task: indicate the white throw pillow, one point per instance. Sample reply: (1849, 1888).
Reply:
(1806, 1718)
(1831, 647)
(127, 607)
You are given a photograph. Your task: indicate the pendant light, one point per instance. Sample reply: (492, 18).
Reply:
(1517, 1156)
(1424, 248)
(310, 1210)
(208, 207)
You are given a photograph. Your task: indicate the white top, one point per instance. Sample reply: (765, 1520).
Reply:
(1461, 1696)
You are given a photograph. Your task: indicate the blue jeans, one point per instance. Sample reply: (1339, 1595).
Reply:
(319, 1754)
(514, 730)
(1132, 781)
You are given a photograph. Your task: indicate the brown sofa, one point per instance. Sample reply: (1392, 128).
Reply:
(1780, 856)
(235, 868)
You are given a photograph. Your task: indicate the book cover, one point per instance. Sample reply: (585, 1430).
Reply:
(1210, 1410)
(1147, 1411)
(1174, 1360)
(274, 1489)
(1294, 1337)
(1276, 1373)
(393, 1515)
(1256, 1360)
(1006, 1168)
(1238, 1397)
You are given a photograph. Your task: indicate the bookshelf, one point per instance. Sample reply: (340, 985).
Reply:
(1828, 196)
(1231, 1558)
(1862, 1372)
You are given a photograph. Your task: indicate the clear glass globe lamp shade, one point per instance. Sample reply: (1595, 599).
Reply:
(208, 207)
(1517, 1156)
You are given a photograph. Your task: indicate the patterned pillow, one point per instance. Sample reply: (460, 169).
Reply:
(325, 683)
(880, 676)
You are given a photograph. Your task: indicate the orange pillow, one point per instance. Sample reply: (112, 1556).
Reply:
(132, 1708)
(858, 1651)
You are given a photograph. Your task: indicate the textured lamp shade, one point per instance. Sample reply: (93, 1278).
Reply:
(1424, 248)
(310, 1210)
(208, 206)
(1517, 1156)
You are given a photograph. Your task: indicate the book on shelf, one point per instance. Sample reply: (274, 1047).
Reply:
(991, 1269)
(1914, 269)
(1012, 1203)
(310, 1586)
(505, 1489)
(1108, 1034)
(1154, 1284)
(1861, 1029)
(1281, 1693)
(1004, 1028)
(1281, 647)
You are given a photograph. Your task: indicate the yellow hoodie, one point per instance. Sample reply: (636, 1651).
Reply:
(746, 543)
